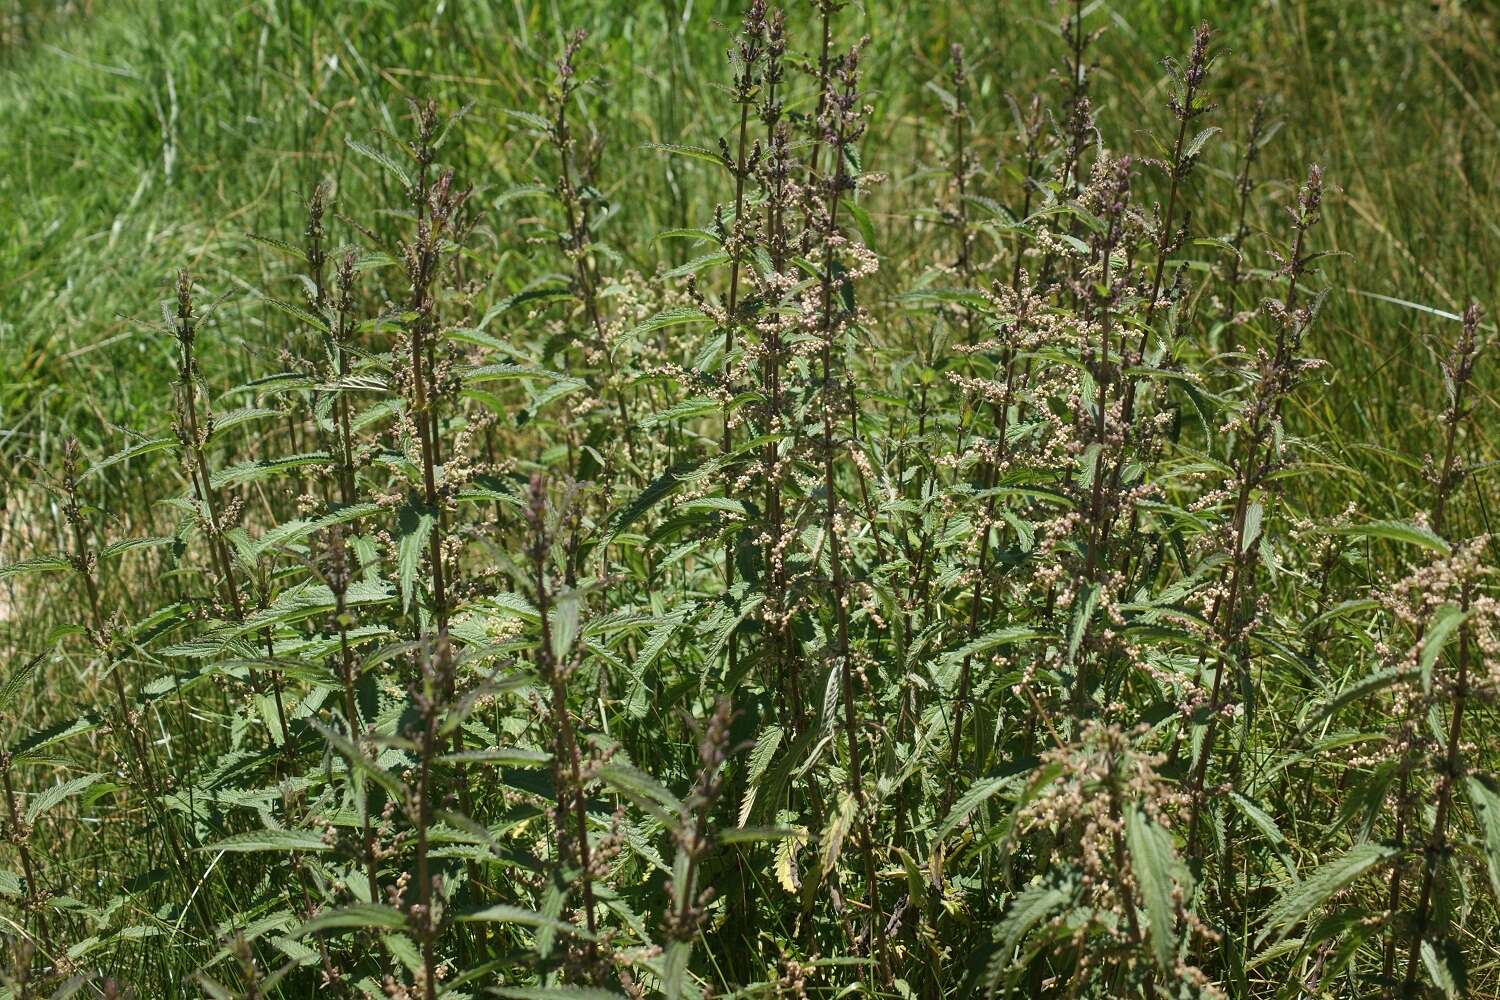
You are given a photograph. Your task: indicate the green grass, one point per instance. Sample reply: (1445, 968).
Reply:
(148, 136)
(144, 137)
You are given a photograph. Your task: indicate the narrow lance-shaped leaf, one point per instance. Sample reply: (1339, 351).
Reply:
(1400, 531)
(760, 759)
(355, 915)
(11, 689)
(416, 527)
(1486, 804)
(1153, 860)
(504, 914)
(1447, 620)
(979, 793)
(32, 745)
(555, 993)
(297, 313)
(1033, 905)
(658, 490)
(35, 564)
(57, 793)
(692, 152)
(385, 161)
(837, 830)
(1300, 899)
(270, 840)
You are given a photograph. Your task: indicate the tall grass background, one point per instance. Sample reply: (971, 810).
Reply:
(142, 138)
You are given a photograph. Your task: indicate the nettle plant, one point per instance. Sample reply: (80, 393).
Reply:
(807, 618)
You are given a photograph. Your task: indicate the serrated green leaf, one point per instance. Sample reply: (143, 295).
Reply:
(1444, 623)
(45, 800)
(994, 640)
(656, 491)
(1153, 860)
(35, 564)
(415, 526)
(695, 265)
(641, 788)
(1378, 681)
(146, 447)
(523, 191)
(1485, 802)
(297, 313)
(1196, 144)
(1400, 531)
(693, 152)
(355, 915)
(259, 471)
(1301, 898)
(979, 793)
(17, 680)
(837, 830)
(555, 993)
(563, 625)
(1266, 824)
(394, 168)
(1254, 513)
(760, 759)
(503, 914)
(1033, 905)
(696, 406)
(296, 253)
(1083, 612)
(29, 747)
(1447, 968)
(270, 840)
(131, 544)
(670, 317)
(528, 118)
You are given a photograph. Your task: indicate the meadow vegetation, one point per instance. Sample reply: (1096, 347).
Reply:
(893, 500)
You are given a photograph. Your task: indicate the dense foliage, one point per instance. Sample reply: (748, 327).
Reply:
(858, 586)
